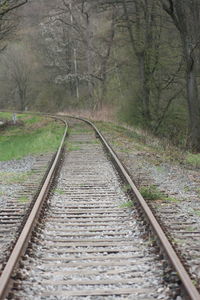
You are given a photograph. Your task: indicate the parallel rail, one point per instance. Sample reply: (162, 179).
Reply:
(20, 247)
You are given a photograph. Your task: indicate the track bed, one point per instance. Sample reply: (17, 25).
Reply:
(90, 244)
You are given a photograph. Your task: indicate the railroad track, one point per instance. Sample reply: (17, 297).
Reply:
(86, 240)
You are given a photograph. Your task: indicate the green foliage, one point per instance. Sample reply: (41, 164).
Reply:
(30, 139)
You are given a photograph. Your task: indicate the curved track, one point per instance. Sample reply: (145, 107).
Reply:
(89, 243)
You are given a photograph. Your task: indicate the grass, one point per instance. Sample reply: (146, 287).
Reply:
(32, 119)
(143, 141)
(151, 193)
(5, 115)
(59, 191)
(23, 199)
(198, 191)
(126, 188)
(197, 212)
(191, 228)
(193, 160)
(195, 282)
(72, 147)
(38, 135)
(187, 188)
(109, 126)
(127, 204)
(78, 129)
(177, 241)
(159, 168)
(172, 199)
(92, 142)
(13, 177)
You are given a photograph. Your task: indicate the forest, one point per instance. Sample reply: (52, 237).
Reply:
(137, 59)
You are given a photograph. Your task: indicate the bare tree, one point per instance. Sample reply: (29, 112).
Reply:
(18, 74)
(77, 50)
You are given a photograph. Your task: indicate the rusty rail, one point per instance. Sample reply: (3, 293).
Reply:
(22, 242)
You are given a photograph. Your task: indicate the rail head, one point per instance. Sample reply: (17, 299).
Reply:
(22, 242)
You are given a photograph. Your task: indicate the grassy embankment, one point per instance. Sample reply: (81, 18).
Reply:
(157, 149)
(36, 135)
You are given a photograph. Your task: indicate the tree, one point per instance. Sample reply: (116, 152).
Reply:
(18, 74)
(77, 51)
(186, 17)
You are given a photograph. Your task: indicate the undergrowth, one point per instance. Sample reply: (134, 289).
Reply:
(151, 193)
(193, 160)
(146, 142)
(128, 204)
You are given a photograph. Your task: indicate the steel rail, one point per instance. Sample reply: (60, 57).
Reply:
(22, 242)
(188, 285)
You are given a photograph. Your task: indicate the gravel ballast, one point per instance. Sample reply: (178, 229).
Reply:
(179, 213)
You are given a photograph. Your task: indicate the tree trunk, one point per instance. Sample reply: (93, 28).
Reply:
(145, 88)
(89, 54)
(22, 100)
(192, 98)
